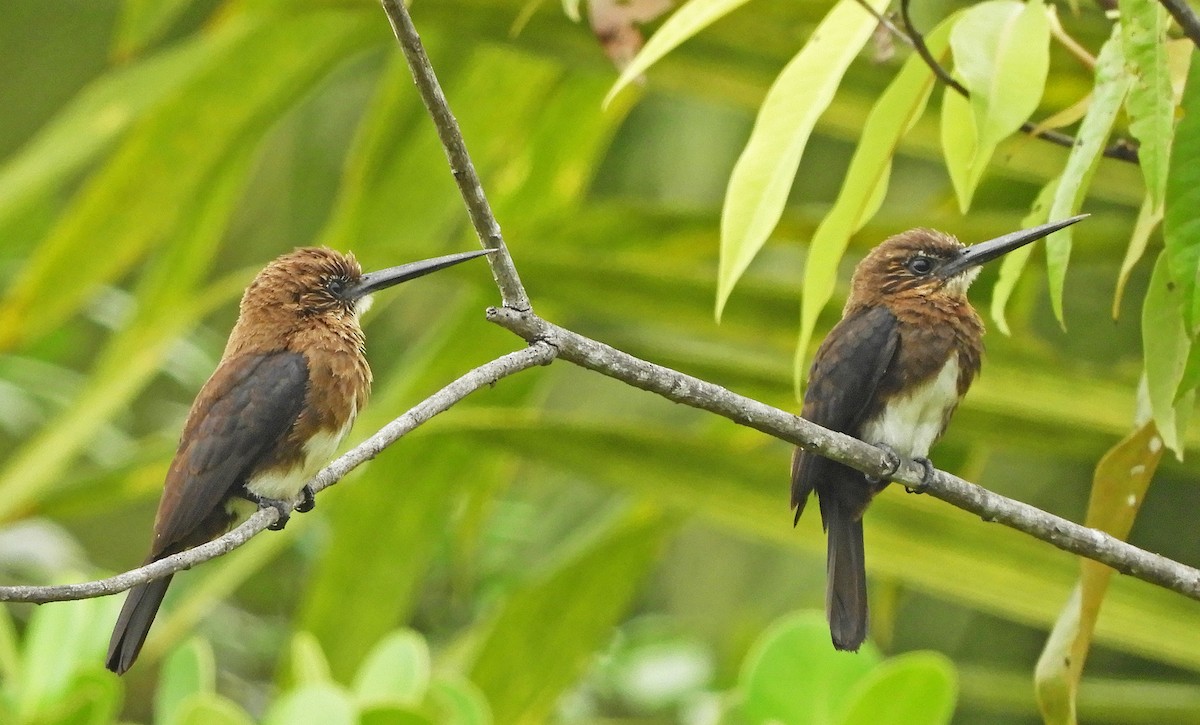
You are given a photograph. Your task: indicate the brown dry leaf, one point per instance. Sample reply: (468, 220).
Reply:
(615, 24)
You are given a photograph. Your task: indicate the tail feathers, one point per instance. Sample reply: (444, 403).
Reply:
(134, 624)
(846, 582)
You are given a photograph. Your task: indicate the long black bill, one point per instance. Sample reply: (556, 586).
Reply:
(984, 252)
(384, 278)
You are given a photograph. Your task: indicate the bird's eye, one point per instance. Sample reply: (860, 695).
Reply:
(920, 265)
(336, 286)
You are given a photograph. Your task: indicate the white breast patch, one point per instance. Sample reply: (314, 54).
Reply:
(286, 485)
(911, 424)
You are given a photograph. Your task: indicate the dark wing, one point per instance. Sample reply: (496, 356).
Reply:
(241, 413)
(841, 387)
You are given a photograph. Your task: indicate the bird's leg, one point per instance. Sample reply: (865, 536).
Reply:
(308, 500)
(926, 477)
(894, 462)
(284, 508)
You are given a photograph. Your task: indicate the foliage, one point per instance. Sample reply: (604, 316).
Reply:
(552, 545)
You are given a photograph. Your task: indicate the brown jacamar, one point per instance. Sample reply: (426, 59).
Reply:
(286, 391)
(891, 374)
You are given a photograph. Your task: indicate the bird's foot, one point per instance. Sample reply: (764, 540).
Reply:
(926, 477)
(894, 461)
(284, 508)
(308, 500)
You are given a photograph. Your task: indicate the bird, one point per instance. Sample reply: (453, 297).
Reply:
(890, 373)
(291, 381)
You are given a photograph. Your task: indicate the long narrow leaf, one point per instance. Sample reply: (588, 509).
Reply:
(1165, 349)
(864, 185)
(545, 632)
(685, 22)
(1122, 477)
(1151, 103)
(1181, 225)
(1112, 83)
(763, 175)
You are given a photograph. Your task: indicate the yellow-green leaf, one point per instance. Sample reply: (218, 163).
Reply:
(1165, 348)
(1002, 53)
(864, 185)
(1149, 216)
(965, 158)
(763, 174)
(1181, 224)
(1111, 85)
(1014, 262)
(1151, 104)
(1118, 489)
(685, 22)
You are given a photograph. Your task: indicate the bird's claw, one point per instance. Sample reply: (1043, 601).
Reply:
(284, 508)
(308, 500)
(926, 477)
(894, 461)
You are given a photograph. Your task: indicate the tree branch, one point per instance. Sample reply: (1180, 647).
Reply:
(548, 341)
(989, 506)
(512, 292)
(1122, 150)
(1186, 17)
(442, 400)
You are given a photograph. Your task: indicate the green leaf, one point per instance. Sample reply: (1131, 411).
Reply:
(307, 662)
(1112, 83)
(916, 688)
(1122, 477)
(965, 158)
(10, 656)
(314, 704)
(545, 632)
(1148, 218)
(571, 9)
(685, 22)
(762, 177)
(169, 303)
(793, 675)
(924, 543)
(459, 702)
(393, 715)
(209, 708)
(143, 22)
(61, 642)
(1014, 262)
(189, 670)
(1002, 53)
(397, 671)
(277, 61)
(865, 184)
(1165, 348)
(99, 114)
(1151, 103)
(1181, 225)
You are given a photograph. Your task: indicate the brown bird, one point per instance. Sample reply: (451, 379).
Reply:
(289, 385)
(891, 374)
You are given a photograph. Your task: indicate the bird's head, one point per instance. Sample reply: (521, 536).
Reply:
(320, 283)
(926, 263)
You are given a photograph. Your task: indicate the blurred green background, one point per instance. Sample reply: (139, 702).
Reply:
(568, 549)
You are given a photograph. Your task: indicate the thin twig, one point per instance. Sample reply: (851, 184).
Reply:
(886, 22)
(512, 292)
(440, 401)
(989, 506)
(1186, 17)
(1121, 150)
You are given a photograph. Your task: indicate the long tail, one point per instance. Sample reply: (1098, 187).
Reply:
(846, 580)
(134, 624)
